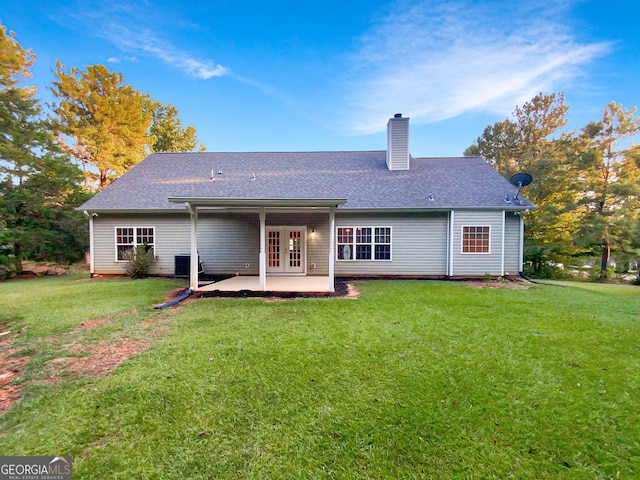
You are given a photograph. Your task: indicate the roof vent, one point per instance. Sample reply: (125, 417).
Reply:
(397, 115)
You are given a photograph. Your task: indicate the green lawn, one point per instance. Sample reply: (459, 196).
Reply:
(415, 379)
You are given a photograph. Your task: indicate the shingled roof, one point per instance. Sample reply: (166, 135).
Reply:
(361, 177)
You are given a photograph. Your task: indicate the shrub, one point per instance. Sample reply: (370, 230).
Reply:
(606, 276)
(547, 270)
(139, 261)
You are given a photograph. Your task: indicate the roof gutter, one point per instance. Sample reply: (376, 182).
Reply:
(178, 210)
(523, 208)
(258, 202)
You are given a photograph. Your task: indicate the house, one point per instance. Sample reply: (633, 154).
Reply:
(325, 214)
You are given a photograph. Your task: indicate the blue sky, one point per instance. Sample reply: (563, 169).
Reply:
(285, 76)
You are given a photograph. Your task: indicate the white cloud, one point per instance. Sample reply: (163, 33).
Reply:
(121, 24)
(434, 60)
(113, 60)
(147, 43)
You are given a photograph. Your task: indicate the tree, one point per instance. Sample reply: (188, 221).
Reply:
(610, 183)
(102, 122)
(38, 184)
(16, 104)
(15, 61)
(524, 143)
(514, 145)
(108, 126)
(167, 134)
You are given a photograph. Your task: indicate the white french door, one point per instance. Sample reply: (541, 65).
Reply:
(286, 249)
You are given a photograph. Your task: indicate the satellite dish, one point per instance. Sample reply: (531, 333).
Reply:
(521, 180)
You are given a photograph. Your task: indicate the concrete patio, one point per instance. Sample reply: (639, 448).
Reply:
(288, 283)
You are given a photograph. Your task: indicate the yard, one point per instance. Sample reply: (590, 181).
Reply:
(413, 379)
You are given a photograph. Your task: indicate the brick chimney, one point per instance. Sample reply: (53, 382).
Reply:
(398, 143)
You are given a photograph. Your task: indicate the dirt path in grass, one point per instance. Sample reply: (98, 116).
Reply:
(97, 359)
(86, 360)
(505, 285)
(10, 368)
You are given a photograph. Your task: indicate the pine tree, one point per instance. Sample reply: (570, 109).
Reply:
(102, 122)
(525, 143)
(167, 133)
(610, 184)
(38, 184)
(108, 126)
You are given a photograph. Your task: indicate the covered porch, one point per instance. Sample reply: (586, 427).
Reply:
(269, 247)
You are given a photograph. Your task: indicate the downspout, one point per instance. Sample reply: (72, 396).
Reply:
(451, 230)
(504, 224)
(183, 296)
(521, 252)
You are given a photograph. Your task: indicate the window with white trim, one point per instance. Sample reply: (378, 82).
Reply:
(363, 243)
(129, 238)
(476, 239)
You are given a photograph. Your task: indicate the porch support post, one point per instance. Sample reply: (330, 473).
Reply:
(263, 255)
(91, 246)
(332, 257)
(193, 267)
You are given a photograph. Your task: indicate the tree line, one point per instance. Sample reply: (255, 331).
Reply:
(98, 127)
(586, 187)
(587, 182)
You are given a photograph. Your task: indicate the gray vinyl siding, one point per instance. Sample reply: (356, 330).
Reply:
(512, 245)
(418, 245)
(172, 235)
(477, 264)
(228, 242)
(398, 144)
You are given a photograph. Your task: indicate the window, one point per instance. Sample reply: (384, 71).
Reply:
(476, 239)
(128, 238)
(364, 243)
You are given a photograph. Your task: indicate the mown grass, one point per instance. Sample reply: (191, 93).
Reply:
(53, 305)
(413, 380)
